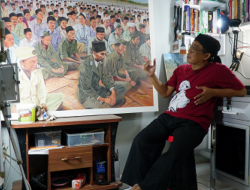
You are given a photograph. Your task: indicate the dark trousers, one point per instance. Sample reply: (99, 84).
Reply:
(146, 165)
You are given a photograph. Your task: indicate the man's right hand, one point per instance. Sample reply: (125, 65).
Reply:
(150, 70)
(106, 100)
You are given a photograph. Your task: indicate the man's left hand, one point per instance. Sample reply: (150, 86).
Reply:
(203, 97)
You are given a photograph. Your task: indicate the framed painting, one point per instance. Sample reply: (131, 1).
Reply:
(81, 58)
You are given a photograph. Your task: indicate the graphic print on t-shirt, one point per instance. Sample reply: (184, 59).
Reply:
(180, 100)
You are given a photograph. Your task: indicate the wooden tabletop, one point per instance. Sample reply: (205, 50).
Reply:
(69, 121)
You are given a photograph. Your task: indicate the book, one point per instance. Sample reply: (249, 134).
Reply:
(239, 9)
(187, 7)
(196, 21)
(192, 19)
(210, 21)
(205, 21)
(247, 10)
(243, 10)
(184, 18)
(233, 8)
(215, 20)
(230, 9)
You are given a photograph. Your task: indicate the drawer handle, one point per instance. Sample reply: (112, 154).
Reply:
(68, 159)
(230, 112)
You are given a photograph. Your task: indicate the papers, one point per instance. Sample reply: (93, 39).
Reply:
(42, 151)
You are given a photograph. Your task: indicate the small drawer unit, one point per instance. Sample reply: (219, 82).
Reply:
(70, 158)
(51, 138)
(84, 139)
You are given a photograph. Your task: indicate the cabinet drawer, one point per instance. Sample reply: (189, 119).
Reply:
(70, 158)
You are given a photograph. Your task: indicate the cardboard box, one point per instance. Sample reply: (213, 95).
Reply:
(79, 181)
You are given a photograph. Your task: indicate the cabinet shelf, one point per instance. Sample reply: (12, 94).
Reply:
(116, 184)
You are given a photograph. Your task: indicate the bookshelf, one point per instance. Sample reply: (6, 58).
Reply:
(196, 22)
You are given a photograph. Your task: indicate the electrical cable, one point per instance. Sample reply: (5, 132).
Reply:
(13, 167)
(5, 184)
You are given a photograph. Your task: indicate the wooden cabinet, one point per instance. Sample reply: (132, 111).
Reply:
(70, 158)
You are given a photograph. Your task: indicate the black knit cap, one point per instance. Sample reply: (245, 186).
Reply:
(7, 32)
(6, 19)
(69, 28)
(100, 30)
(98, 46)
(210, 44)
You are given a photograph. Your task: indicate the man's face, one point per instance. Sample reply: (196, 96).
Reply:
(106, 23)
(131, 29)
(93, 23)
(121, 49)
(125, 22)
(139, 18)
(143, 30)
(69, 16)
(100, 56)
(29, 7)
(75, 9)
(137, 40)
(43, 10)
(52, 7)
(63, 24)
(118, 31)
(51, 24)
(98, 20)
(71, 35)
(46, 40)
(20, 19)
(29, 64)
(9, 40)
(73, 17)
(16, 4)
(100, 35)
(95, 13)
(82, 20)
(116, 16)
(40, 15)
(21, 9)
(8, 25)
(28, 35)
(37, 6)
(56, 14)
(13, 20)
(23, 4)
(112, 20)
(62, 11)
(13, 7)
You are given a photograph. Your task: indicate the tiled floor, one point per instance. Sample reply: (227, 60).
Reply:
(203, 178)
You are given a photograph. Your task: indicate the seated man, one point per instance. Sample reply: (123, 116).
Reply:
(62, 27)
(100, 34)
(16, 27)
(37, 24)
(190, 112)
(131, 29)
(107, 28)
(55, 34)
(82, 32)
(27, 41)
(145, 49)
(114, 66)
(68, 47)
(92, 27)
(132, 57)
(10, 47)
(20, 20)
(32, 86)
(142, 32)
(89, 91)
(51, 64)
(8, 25)
(27, 18)
(73, 20)
(114, 36)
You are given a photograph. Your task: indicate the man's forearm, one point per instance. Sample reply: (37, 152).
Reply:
(161, 88)
(229, 92)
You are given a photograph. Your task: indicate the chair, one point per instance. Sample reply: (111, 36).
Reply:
(185, 178)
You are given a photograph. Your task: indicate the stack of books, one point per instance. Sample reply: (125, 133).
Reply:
(239, 9)
(195, 20)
